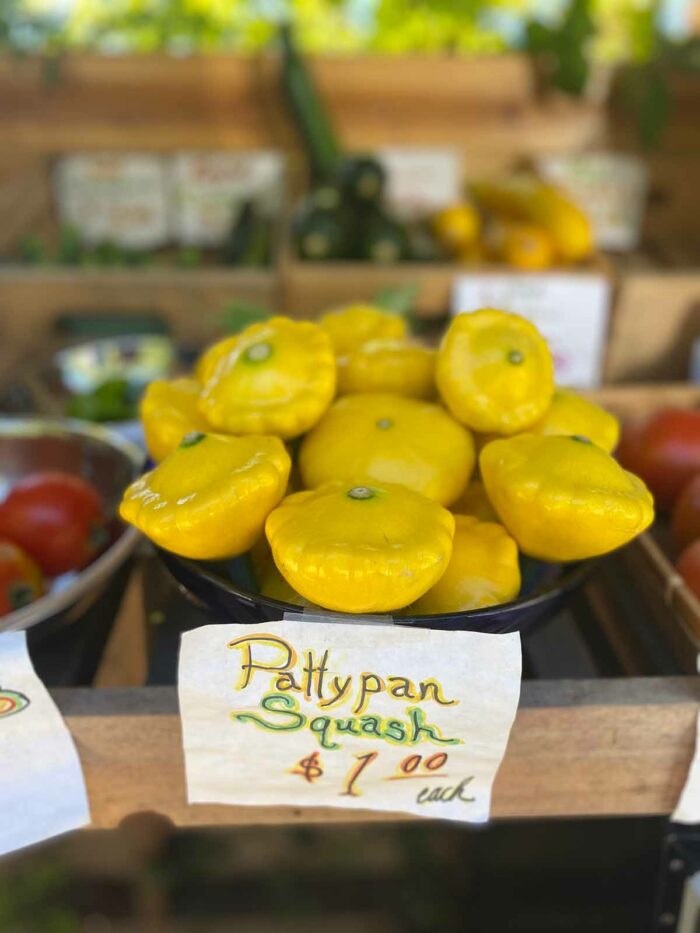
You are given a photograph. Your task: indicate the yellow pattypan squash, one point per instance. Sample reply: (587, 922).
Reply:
(457, 227)
(210, 497)
(169, 410)
(474, 501)
(351, 326)
(360, 548)
(276, 377)
(207, 362)
(570, 413)
(495, 372)
(483, 570)
(563, 498)
(525, 246)
(389, 439)
(388, 365)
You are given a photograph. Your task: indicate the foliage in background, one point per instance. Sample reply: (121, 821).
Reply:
(568, 36)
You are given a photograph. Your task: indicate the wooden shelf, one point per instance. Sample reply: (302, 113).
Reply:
(578, 748)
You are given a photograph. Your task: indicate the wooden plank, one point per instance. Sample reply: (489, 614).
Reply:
(311, 287)
(158, 102)
(601, 747)
(639, 400)
(656, 319)
(190, 301)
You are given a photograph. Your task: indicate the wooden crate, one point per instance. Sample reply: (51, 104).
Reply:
(675, 608)
(189, 301)
(311, 287)
(578, 747)
(656, 320)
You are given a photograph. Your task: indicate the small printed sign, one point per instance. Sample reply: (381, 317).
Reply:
(345, 715)
(41, 781)
(570, 310)
(421, 180)
(209, 188)
(114, 197)
(610, 186)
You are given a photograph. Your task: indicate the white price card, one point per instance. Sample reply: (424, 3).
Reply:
(209, 188)
(41, 782)
(114, 197)
(610, 186)
(339, 715)
(421, 180)
(571, 311)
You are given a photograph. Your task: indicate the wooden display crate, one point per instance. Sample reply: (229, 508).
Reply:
(656, 320)
(605, 746)
(190, 302)
(674, 607)
(311, 287)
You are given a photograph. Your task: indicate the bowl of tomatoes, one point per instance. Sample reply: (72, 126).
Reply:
(63, 550)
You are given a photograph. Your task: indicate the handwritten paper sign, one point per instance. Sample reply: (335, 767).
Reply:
(115, 197)
(341, 715)
(611, 186)
(209, 188)
(41, 781)
(421, 180)
(571, 311)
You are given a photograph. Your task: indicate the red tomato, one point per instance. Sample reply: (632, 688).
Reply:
(59, 519)
(685, 518)
(665, 453)
(688, 566)
(20, 578)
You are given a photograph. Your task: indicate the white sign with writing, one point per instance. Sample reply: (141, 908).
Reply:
(340, 715)
(610, 186)
(41, 781)
(209, 188)
(421, 180)
(571, 311)
(114, 197)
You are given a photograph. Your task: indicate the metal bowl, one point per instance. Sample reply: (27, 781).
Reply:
(108, 462)
(227, 591)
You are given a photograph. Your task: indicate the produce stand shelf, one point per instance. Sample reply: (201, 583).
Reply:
(189, 301)
(609, 747)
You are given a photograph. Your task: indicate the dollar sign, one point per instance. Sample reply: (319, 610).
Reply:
(309, 768)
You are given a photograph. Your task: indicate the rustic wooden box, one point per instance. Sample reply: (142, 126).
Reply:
(311, 287)
(648, 559)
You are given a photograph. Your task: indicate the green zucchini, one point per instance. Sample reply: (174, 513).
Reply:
(320, 141)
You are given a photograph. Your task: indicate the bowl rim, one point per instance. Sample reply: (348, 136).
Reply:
(574, 574)
(53, 603)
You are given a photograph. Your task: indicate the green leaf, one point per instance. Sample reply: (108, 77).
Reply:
(654, 107)
(397, 298)
(239, 315)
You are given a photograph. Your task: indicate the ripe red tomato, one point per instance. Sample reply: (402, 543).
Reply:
(20, 578)
(685, 518)
(57, 518)
(665, 453)
(688, 566)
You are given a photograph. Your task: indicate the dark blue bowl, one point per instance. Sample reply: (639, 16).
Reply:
(228, 593)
